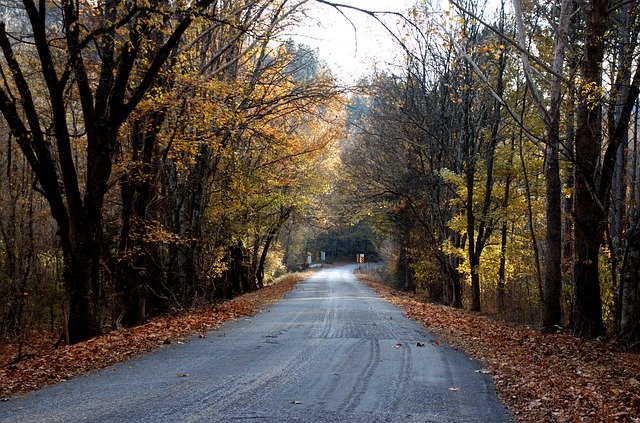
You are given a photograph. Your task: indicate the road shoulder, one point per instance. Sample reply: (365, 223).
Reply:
(42, 364)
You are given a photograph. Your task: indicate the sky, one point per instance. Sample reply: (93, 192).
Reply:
(352, 53)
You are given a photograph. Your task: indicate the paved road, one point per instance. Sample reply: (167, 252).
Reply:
(331, 351)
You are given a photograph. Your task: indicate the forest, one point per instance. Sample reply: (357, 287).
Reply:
(162, 155)
(502, 162)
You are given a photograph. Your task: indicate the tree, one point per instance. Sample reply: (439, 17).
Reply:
(107, 58)
(595, 163)
(173, 145)
(552, 312)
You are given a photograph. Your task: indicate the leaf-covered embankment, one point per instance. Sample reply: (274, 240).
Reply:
(42, 364)
(541, 378)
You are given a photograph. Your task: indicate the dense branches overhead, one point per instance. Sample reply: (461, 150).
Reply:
(174, 153)
(504, 156)
(170, 140)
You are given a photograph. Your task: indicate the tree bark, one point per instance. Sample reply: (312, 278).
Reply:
(630, 287)
(588, 207)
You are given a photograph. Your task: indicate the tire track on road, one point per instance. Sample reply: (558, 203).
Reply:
(364, 378)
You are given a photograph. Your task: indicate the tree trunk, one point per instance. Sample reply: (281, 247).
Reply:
(588, 305)
(283, 215)
(567, 207)
(453, 289)
(630, 287)
(503, 238)
(474, 261)
(136, 189)
(502, 286)
(263, 259)
(551, 310)
(475, 284)
(81, 268)
(589, 209)
(456, 288)
(403, 270)
(238, 278)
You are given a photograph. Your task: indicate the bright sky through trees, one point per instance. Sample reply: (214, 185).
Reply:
(352, 53)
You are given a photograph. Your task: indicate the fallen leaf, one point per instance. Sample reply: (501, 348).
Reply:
(540, 377)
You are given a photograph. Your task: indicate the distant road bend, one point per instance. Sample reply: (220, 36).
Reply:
(331, 351)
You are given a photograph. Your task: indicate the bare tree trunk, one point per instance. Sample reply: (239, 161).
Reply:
(455, 285)
(502, 304)
(474, 261)
(551, 310)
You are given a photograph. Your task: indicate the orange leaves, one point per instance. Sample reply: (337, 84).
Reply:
(43, 364)
(542, 378)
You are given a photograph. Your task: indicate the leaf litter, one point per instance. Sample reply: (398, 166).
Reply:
(42, 364)
(540, 377)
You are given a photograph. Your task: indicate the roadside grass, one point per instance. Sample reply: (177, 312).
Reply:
(41, 364)
(540, 377)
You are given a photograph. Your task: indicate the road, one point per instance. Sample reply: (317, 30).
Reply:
(332, 350)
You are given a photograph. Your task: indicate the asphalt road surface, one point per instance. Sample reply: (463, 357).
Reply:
(332, 350)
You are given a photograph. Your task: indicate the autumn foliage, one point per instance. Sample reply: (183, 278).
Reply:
(37, 362)
(541, 377)
(499, 165)
(154, 152)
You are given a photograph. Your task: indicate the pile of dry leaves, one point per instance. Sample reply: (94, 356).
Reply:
(41, 364)
(542, 378)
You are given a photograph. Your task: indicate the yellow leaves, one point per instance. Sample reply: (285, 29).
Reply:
(460, 20)
(183, 153)
(268, 129)
(591, 92)
(490, 49)
(458, 223)
(182, 61)
(153, 232)
(454, 179)
(451, 250)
